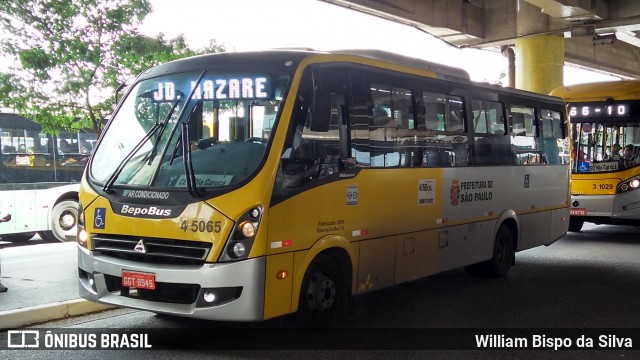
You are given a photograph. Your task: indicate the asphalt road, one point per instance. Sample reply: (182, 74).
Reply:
(584, 284)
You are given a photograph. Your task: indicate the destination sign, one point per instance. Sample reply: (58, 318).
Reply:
(240, 88)
(606, 110)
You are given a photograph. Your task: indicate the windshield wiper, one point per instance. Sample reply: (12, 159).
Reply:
(154, 149)
(178, 145)
(157, 126)
(185, 145)
(192, 185)
(175, 151)
(112, 178)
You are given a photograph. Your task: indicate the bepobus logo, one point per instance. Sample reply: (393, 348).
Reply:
(21, 339)
(145, 211)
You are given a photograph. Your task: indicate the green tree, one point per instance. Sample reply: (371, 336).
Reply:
(69, 56)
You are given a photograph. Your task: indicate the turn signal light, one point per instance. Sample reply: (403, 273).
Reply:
(247, 228)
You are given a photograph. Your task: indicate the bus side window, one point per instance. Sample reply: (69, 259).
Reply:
(522, 130)
(298, 161)
(315, 140)
(492, 146)
(552, 136)
(444, 121)
(64, 147)
(360, 117)
(329, 132)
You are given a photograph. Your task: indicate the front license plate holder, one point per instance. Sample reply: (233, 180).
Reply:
(138, 280)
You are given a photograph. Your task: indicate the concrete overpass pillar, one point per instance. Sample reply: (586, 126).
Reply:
(539, 58)
(539, 63)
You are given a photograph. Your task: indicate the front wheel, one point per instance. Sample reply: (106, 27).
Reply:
(575, 225)
(323, 293)
(503, 254)
(64, 222)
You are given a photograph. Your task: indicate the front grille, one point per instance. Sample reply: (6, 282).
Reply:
(151, 250)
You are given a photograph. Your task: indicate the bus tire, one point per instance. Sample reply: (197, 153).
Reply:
(502, 259)
(323, 294)
(64, 222)
(575, 225)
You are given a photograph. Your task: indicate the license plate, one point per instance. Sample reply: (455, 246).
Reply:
(138, 280)
(578, 212)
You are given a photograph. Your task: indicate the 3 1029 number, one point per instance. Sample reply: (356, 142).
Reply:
(201, 226)
(603, 186)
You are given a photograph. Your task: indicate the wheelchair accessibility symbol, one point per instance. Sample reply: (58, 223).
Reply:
(99, 217)
(583, 166)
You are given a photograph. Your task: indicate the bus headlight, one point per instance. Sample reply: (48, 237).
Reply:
(239, 249)
(82, 235)
(243, 235)
(82, 238)
(629, 185)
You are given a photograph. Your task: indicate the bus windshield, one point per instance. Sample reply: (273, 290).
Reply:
(605, 146)
(210, 129)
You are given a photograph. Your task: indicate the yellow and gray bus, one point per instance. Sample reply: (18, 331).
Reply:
(605, 130)
(245, 186)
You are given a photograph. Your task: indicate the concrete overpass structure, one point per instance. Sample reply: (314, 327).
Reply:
(538, 36)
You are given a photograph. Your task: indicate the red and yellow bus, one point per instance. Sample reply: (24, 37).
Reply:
(245, 186)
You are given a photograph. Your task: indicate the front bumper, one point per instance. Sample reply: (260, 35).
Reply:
(625, 206)
(238, 287)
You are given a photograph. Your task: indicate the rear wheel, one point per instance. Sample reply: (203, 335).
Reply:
(502, 259)
(575, 225)
(64, 222)
(323, 293)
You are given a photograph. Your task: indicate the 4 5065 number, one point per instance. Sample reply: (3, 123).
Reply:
(201, 226)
